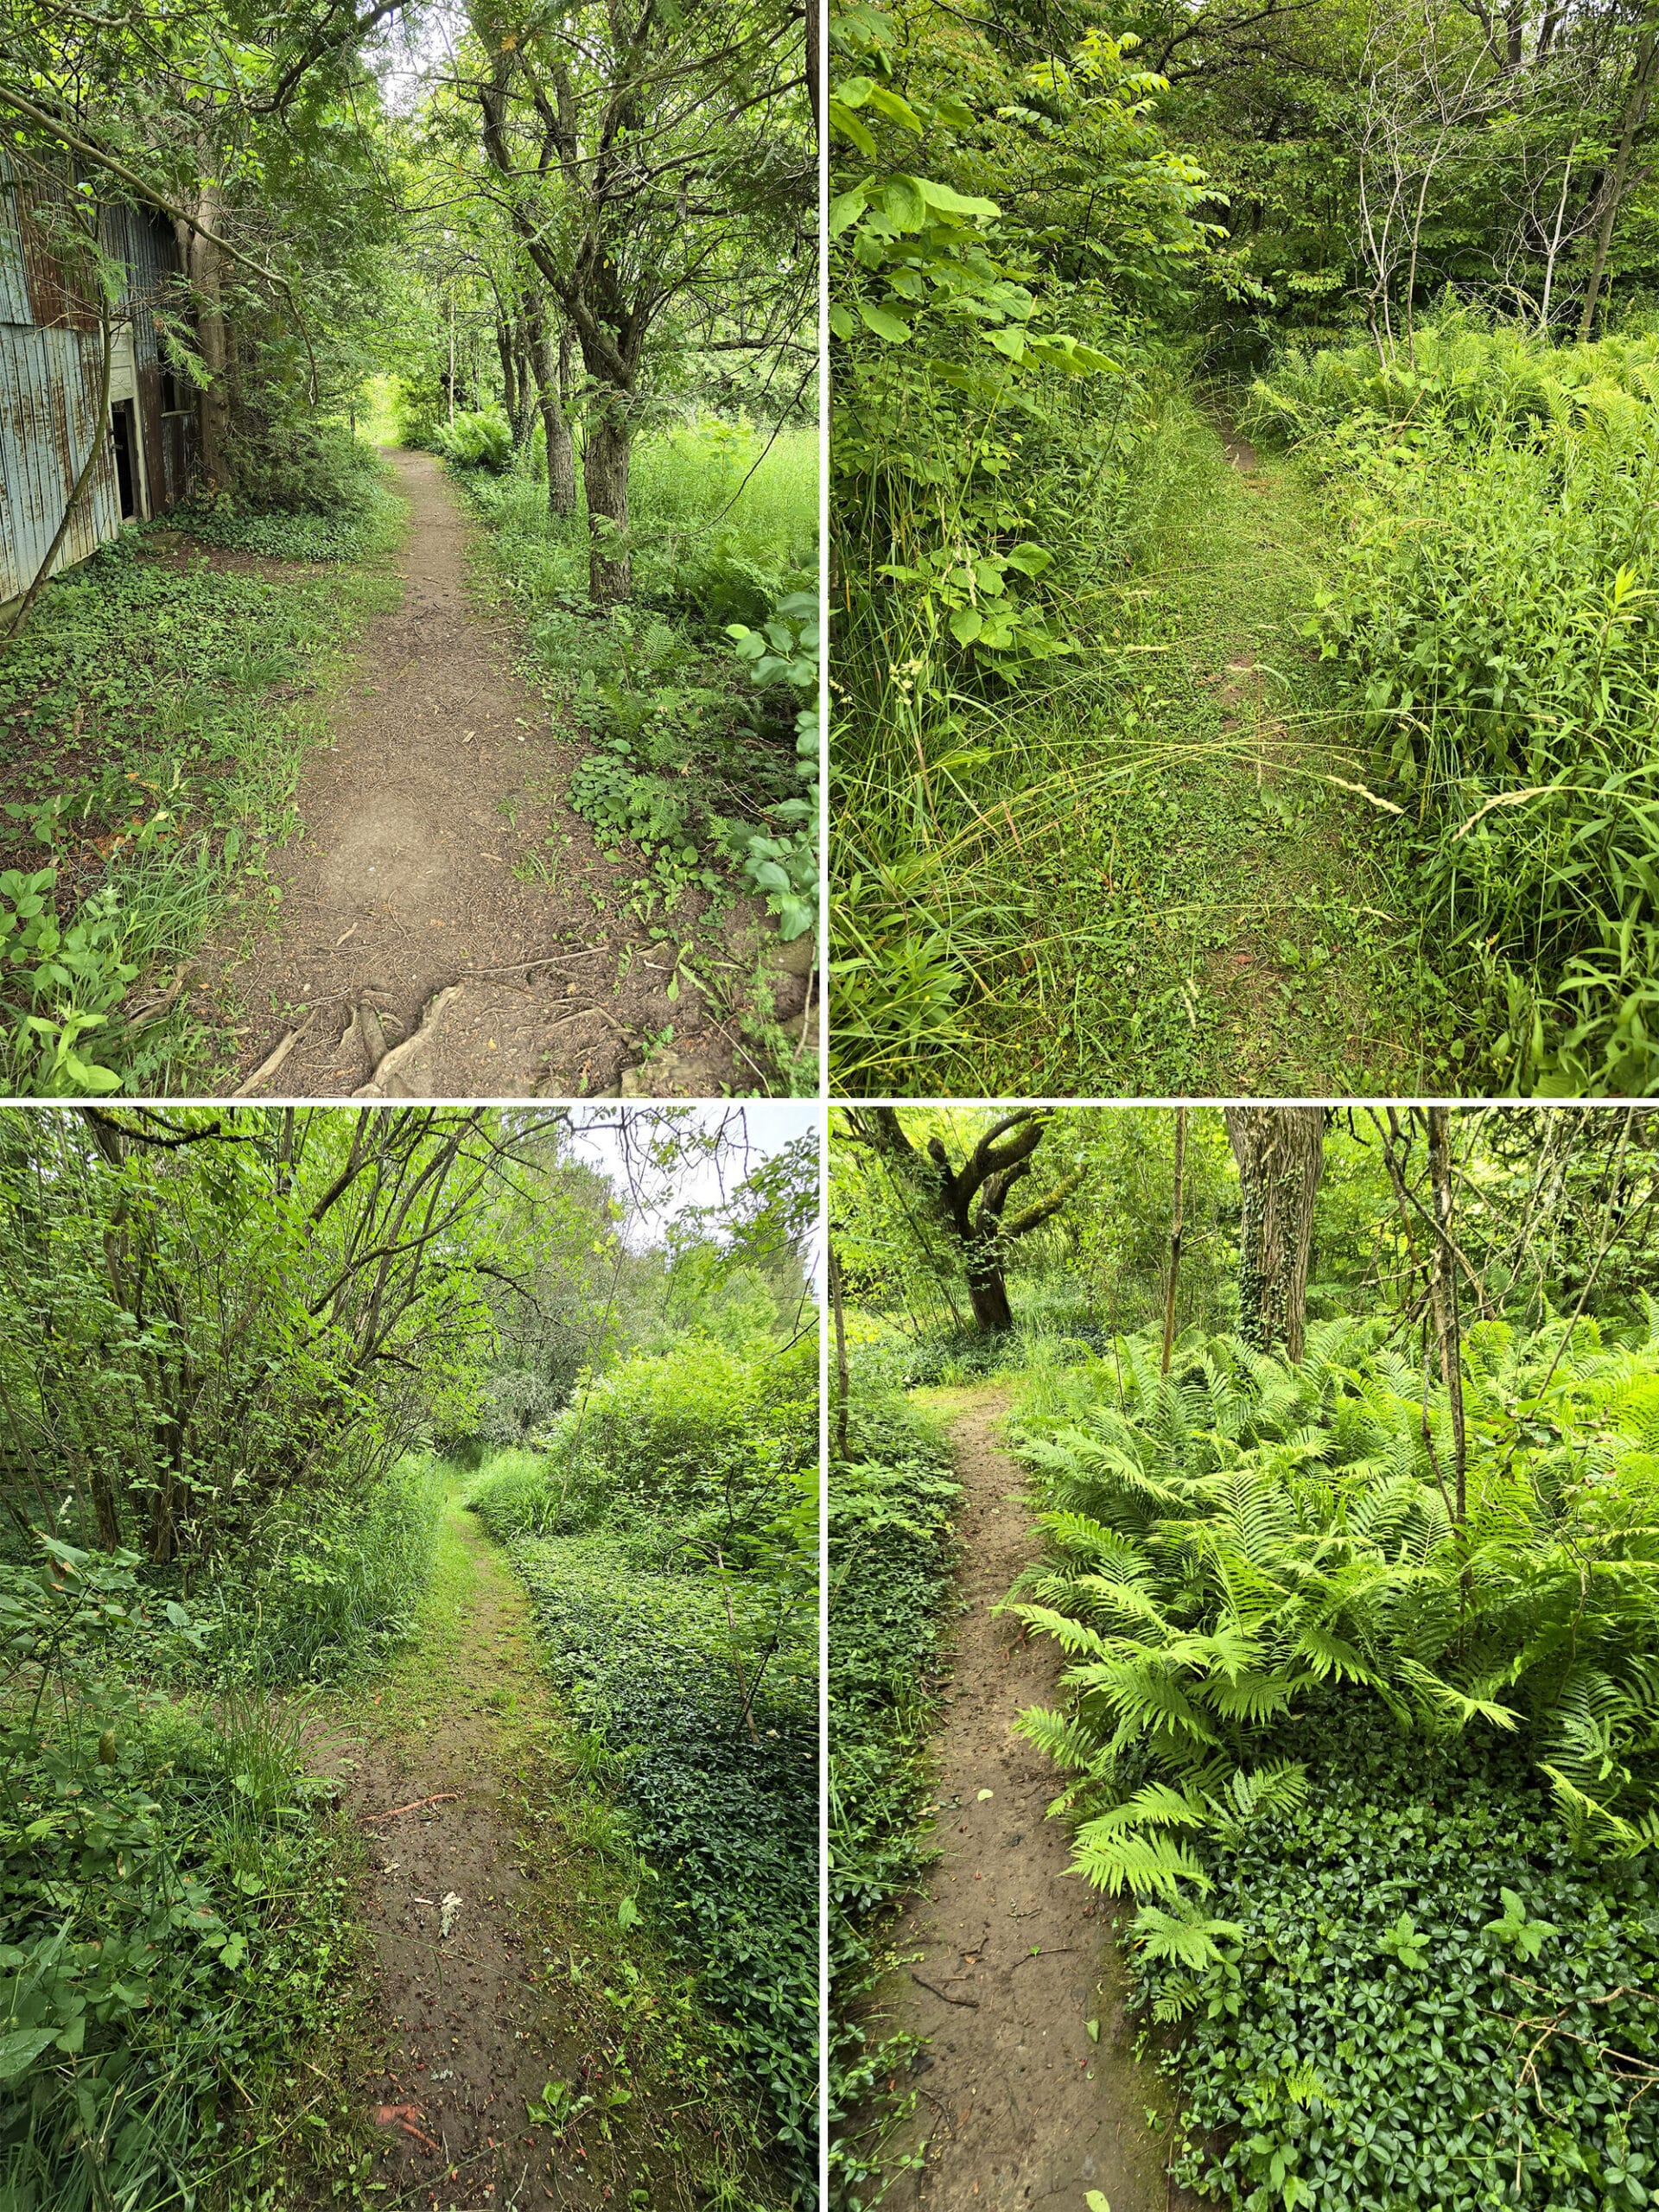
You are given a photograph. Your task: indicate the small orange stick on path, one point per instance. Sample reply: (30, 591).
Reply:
(441, 1798)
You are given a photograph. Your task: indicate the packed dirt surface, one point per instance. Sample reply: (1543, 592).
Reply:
(1011, 1955)
(472, 2034)
(417, 934)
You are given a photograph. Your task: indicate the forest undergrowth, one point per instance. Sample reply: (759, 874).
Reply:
(189, 2015)
(158, 710)
(1347, 1566)
(1167, 878)
(1138, 793)
(1353, 1752)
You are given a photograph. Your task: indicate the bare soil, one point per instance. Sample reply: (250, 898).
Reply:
(473, 2022)
(1010, 1956)
(420, 868)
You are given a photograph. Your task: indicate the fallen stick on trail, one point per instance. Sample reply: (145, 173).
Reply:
(442, 1797)
(972, 2003)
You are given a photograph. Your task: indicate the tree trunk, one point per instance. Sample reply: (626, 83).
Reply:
(1174, 1237)
(1443, 1294)
(551, 382)
(530, 399)
(509, 370)
(841, 1354)
(1281, 1155)
(1636, 106)
(988, 1293)
(213, 406)
(814, 85)
(605, 472)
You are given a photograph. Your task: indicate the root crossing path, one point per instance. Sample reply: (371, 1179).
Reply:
(1010, 1957)
(418, 945)
(471, 2027)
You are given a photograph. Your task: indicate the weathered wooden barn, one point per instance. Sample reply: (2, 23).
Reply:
(51, 360)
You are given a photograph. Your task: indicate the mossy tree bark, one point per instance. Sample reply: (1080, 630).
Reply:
(1281, 1155)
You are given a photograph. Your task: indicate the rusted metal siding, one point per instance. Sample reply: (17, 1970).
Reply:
(50, 377)
(49, 385)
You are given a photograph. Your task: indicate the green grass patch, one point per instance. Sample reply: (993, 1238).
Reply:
(704, 748)
(156, 711)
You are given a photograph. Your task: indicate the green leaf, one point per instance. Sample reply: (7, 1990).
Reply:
(902, 203)
(884, 323)
(847, 125)
(966, 623)
(19, 2051)
(944, 200)
(845, 208)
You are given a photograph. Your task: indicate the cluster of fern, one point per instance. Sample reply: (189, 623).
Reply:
(1242, 1544)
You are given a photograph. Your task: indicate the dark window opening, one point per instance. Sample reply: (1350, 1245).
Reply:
(123, 429)
(175, 399)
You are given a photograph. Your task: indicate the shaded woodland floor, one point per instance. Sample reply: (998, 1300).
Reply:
(444, 924)
(1009, 1958)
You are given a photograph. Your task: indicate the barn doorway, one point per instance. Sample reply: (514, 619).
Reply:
(124, 428)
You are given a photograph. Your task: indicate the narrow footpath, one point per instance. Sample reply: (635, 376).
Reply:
(487, 1993)
(1010, 1958)
(445, 925)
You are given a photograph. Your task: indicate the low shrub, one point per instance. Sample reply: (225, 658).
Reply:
(334, 1586)
(303, 468)
(479, 441)
(699, 1425)
(170, 1896)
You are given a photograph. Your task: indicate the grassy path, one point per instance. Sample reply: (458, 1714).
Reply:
(497, 1896)
(1009, 1958)
(1186, 901)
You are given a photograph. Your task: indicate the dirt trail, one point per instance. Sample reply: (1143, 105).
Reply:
(444, 779)
(472, 2032)
(1019, 2107)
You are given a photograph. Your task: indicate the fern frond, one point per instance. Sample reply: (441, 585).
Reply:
(1147, 1865)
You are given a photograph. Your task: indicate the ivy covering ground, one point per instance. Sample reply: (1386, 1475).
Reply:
(668, 1539)
(891, 1556)
(156, 710)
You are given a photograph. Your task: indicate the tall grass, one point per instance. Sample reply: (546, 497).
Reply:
(1493, 629)
(336, 1584)
(958, 776)
(723, 521)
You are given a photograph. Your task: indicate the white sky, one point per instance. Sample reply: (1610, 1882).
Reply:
(768, 1124)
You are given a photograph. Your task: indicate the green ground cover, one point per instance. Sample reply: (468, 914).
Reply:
(156, 711)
